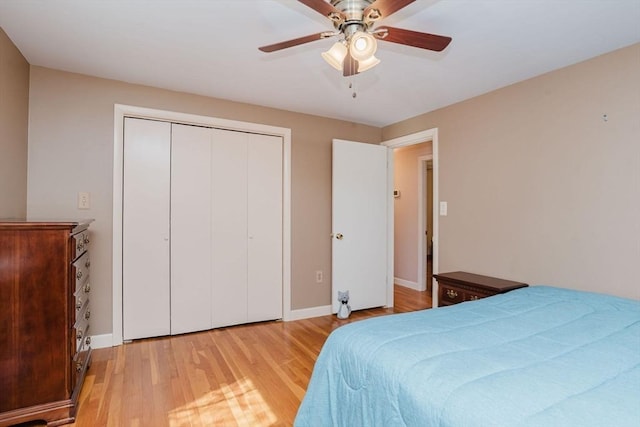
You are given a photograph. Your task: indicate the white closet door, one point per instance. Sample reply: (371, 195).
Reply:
(190, 229)
(145, 223)
(229, 228)
(264, 224)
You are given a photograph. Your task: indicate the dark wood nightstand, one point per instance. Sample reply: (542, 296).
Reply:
(460, 286)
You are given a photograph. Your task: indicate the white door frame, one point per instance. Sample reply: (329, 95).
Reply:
(403, 141)
(120, 111)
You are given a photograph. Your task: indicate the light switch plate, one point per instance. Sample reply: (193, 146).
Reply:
(84, 200)
(443, 208)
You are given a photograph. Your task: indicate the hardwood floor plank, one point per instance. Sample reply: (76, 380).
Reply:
(247, 375)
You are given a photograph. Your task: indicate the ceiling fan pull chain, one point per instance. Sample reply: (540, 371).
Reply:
(351, 86)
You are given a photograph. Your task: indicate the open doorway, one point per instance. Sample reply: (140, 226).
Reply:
(428, 135)
(413, 216)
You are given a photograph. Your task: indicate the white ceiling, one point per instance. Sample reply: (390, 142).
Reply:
(210, 47)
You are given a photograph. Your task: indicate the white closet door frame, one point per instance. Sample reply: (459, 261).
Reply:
(120, 112)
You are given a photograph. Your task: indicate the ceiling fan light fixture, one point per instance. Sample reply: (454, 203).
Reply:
(362, 46)
(335, 56)
(367, 64)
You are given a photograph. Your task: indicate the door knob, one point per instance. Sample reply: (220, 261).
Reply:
(339, 236)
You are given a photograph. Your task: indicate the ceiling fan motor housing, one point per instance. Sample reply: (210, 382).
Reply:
(353, 16)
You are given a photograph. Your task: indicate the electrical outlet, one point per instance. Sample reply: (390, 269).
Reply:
(84, 201)
(319, 276)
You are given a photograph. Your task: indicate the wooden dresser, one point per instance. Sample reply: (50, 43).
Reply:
(44, 319)
(460, 286)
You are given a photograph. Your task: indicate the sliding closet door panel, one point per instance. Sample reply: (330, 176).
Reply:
(229, 227)
(145, 223)
(265, 228)
(190, 229)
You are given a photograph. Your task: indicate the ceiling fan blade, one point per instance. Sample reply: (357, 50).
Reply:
(324, 8)
(385, 8)
(293, 42)
(412, 38)
(349, 66)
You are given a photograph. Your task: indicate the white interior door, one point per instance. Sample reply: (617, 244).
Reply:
(359, 223)
(191, 199)
(145, 229)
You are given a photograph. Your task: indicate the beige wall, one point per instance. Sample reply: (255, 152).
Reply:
(406, 233)
(14, 118)
(71, 149)
(540, 188)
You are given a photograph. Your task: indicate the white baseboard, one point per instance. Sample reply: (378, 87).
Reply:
(306, 313)
(102, 341)
(106, 340)
(407, 284)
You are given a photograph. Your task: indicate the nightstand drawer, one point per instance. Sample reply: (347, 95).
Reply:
(450, 294)
(460, 286)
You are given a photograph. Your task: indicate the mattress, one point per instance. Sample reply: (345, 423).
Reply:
(537, 356)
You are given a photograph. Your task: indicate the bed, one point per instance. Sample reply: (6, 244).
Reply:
(537, 356)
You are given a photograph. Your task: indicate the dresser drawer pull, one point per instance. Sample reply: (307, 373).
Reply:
(86, 240)
(79, 275)
(79, 367)
(79, 304)
(87, 314)
(451, 293)
(87, 264)
(80, 246)
(473, 297)
(87, 341)
(79, 334)
(87, 288)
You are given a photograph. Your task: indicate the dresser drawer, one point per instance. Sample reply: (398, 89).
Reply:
(80, 243)
(83, 313)
(79, 366)
(83, 339)
(81, 326)
(82, 295)
(80, 270)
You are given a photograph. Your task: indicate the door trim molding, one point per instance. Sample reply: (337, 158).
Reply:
(120, 111)
(429, 135)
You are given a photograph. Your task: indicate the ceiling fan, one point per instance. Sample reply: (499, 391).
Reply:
(353, 21)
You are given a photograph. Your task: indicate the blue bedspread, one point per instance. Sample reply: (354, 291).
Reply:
(537, 356)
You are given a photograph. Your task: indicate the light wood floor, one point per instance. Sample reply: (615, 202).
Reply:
(250, 375)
